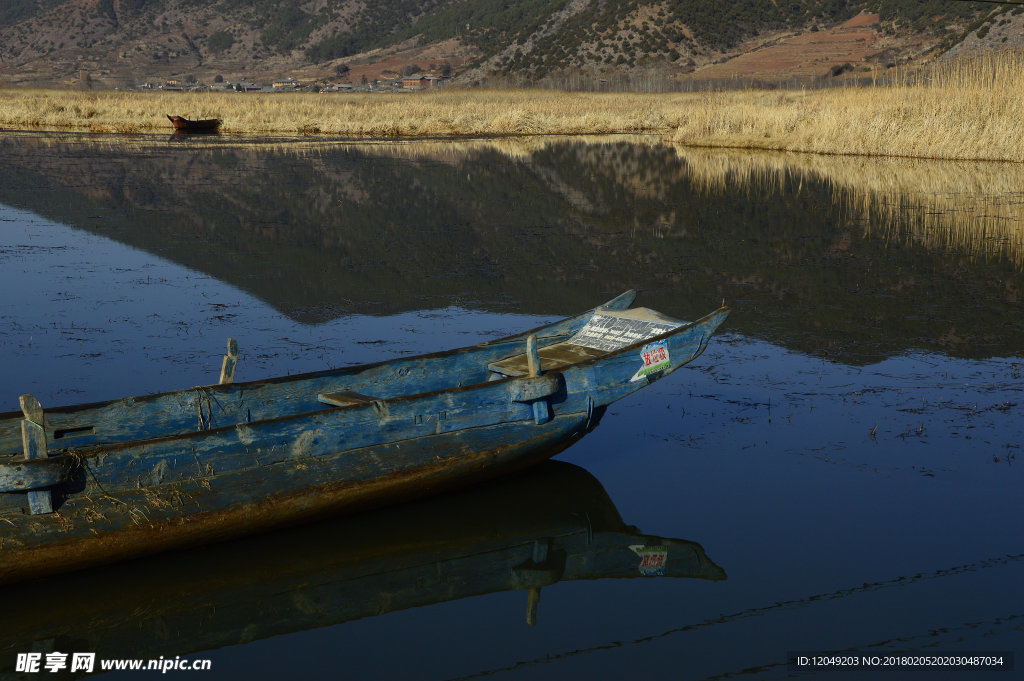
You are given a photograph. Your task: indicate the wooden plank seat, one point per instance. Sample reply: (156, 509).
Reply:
(606, 331)
(346, 398)
(552, 358)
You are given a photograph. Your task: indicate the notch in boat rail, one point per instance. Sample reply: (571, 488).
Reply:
(77, 431)
(227, 368)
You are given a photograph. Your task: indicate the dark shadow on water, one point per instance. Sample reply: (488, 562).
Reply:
(323, 230)
(553, 523)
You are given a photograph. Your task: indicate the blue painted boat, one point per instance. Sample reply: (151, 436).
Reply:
(95, 483)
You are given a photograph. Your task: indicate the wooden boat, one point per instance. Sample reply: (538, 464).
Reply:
(100, 482)
(185, 125)
(554, 523)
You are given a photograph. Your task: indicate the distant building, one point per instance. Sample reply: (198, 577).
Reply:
(421, 82)
(286, 84)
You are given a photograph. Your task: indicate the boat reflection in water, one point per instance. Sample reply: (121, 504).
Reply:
(551, 524)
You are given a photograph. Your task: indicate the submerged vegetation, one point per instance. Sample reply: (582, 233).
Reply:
(966, 109)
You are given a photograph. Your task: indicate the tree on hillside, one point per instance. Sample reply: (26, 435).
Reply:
(219, 42)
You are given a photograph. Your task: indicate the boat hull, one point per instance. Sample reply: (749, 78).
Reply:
(207, 464)
(91, 530)
(182, 124)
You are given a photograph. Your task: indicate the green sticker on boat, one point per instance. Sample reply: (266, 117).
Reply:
(655, 358)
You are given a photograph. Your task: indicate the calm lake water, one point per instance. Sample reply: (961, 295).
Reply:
(842, 462)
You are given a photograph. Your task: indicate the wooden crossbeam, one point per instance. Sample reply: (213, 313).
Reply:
(33, 441)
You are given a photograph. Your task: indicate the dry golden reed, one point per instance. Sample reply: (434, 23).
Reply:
(963, 109)
(434, 114)
(966, 109)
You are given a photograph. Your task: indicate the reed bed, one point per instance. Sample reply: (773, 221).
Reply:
(377, 115)
(966, 109)
(965, 207)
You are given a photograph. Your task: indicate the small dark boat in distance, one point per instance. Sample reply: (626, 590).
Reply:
(182, 124)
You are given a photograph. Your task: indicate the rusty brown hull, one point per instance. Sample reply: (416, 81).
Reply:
(183, 124)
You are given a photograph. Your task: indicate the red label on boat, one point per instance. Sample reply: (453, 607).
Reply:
(655, 358)
(652, 559)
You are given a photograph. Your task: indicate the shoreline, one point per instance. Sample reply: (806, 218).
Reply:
(444, 114)
(966, 111)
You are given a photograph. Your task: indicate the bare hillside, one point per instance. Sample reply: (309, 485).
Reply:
(570, 43)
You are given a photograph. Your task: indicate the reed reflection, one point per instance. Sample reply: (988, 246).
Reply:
(969, 208)
(850, 258)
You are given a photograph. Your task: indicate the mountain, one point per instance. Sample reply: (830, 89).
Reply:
(627, 43)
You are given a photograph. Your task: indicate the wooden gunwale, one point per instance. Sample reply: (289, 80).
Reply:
(291, 378)
(623, 300)
(62, 416)
(94, 449)
(267, 436)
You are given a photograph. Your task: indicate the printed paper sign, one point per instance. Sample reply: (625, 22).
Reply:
(608, 333)
(652, 559)
(655, 357)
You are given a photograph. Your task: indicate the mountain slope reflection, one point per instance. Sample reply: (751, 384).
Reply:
(554, 523)
(856, 259)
